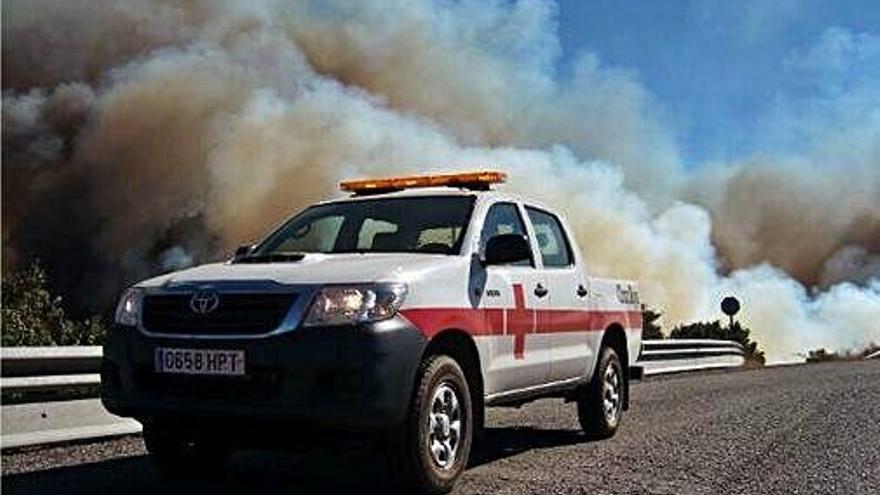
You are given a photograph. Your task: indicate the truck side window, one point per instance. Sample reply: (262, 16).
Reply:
(503, 218)
(554, 247)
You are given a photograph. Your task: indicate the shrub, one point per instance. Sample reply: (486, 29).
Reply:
(32, 316)
(651, 330)
(822, 355)
(715, 330)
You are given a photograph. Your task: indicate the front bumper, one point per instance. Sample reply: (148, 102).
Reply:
(350, 377)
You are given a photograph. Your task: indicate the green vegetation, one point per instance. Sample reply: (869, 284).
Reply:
(715, 330)
(822, 355)
(651, 329)
(32, 316)
(704, 330)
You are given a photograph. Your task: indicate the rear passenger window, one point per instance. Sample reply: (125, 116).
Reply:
(503, 218)
(551, 239)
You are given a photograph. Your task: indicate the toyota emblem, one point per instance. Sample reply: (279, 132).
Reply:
(204, 302)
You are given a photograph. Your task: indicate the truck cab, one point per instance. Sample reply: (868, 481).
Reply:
(404, 309)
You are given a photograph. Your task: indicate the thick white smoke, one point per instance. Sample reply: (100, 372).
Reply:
(147, 135)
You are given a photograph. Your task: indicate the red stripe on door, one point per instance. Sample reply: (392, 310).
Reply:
(563, 320)
(490, 321)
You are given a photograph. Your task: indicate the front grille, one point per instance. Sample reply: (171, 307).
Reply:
(236, 314)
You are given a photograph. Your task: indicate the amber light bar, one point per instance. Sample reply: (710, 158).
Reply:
(469, 180)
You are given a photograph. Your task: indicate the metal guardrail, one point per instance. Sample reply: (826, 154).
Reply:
(29, 361)
(677, 355)
(41, 381)
(53, 371)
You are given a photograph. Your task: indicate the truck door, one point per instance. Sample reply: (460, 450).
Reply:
(516, 294)
(569, 318)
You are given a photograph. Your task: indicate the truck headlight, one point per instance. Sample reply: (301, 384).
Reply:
(350, 304)
(128, 311)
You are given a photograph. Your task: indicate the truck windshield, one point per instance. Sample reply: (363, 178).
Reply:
(424, 224)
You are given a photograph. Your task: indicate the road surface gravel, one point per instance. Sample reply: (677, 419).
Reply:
(796, 429)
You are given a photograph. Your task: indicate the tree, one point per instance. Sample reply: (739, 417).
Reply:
(715, 330)
(32, 316)
(651, 330)
(869, 350)
(822, 355)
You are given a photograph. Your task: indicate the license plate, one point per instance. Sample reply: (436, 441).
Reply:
(199, 361)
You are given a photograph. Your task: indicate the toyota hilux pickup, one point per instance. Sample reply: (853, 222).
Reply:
(404, 309)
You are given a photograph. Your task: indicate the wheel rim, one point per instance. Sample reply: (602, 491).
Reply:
(444, 425)
(611, 392)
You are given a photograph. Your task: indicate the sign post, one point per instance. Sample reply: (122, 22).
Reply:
(730, 307)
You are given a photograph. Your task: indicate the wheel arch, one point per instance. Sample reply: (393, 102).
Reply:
(460, 346)
(615, 338)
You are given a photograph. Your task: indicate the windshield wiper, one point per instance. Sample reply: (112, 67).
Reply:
(280, 257)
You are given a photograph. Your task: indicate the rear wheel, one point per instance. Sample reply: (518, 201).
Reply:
(182, 454)
(600, 404)
(432, 450)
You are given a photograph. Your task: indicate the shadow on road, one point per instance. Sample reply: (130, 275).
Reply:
(499, 443)
(323, 470)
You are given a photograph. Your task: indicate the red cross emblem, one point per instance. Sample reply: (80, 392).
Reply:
(519, 321)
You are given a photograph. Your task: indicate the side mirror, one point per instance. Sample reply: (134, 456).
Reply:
(242, 251)
(504, 249)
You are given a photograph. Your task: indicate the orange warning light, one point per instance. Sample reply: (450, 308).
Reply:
(469, 180)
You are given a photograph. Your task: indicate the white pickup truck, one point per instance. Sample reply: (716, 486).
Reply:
(405, 309)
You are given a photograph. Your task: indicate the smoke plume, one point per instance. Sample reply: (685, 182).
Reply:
(145, 136)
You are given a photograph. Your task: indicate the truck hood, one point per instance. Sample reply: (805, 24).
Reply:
(318, 269)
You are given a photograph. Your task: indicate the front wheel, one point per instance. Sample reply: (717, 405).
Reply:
(600, 404)
(432, 450)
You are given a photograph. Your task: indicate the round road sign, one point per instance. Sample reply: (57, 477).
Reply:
(730, 305)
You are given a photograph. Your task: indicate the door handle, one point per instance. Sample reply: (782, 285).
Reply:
(582, 291)
(540, 290)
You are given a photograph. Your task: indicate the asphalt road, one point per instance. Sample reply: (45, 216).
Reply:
(800, 429)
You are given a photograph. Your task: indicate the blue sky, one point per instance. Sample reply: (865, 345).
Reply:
(737, 77)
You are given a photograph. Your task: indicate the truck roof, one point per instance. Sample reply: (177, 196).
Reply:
(439, 191)
(475, 184)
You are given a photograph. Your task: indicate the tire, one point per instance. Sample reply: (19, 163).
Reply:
(179, 454)
(431, 451)
(600, 404)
